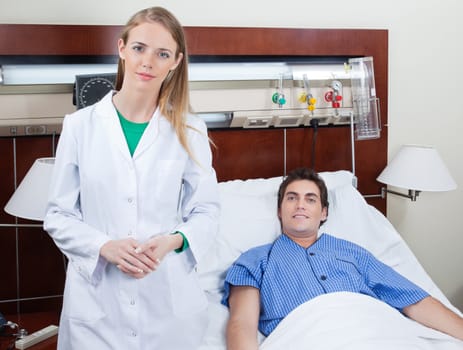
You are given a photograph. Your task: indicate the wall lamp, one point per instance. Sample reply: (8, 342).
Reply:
(416, 168)
(29, 201)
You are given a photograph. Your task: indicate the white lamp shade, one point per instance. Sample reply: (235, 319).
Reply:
(418, 168)
(29, 201)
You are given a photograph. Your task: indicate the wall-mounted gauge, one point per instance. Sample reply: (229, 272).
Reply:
(90, 88)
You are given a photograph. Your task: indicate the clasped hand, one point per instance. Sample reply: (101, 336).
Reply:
(133, 258)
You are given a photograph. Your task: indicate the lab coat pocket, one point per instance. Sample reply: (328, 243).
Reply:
(81, 299)
(187, 296)
(167, 177)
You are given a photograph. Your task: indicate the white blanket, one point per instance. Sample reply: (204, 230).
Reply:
(353, 321)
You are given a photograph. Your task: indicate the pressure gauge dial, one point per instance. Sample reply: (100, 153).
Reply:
(336, 85)
(91, 88)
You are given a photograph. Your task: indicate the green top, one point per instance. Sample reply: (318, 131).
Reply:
(132, 132)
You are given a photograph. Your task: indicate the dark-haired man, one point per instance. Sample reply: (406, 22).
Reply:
(266, 283)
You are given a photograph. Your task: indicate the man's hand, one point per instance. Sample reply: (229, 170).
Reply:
(432, 313)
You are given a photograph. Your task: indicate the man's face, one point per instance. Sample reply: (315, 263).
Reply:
(301, 210)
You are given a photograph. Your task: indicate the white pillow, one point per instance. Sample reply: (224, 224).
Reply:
(248, 219)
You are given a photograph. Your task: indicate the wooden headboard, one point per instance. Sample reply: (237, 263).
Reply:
(247, 153)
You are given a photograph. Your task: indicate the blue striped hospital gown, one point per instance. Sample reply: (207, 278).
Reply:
(288, 275)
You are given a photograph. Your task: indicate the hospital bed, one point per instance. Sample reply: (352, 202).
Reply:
(333, 321)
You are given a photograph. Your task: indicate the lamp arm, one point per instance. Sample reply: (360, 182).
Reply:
(412, 194)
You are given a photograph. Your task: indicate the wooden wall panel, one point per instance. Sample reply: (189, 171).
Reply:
(284, 41)
(6, 175)
(250, 154)
(332, 150)
(41, 271)
(261, 153)
(8, 264)
(28, 149)
(58, 40)
(8, 257)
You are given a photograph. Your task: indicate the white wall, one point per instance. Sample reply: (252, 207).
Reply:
(425, 80)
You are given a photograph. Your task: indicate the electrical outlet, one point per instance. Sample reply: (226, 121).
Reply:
(13, 130)
(35, 130)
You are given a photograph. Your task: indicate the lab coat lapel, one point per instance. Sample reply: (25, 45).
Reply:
(108, 115)
(151, 133)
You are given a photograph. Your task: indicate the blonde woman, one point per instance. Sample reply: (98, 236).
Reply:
(133, 202)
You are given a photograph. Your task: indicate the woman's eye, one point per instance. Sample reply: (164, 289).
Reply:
(164, 54)
(138, 48)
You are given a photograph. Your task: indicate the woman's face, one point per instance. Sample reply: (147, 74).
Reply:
(148, 55)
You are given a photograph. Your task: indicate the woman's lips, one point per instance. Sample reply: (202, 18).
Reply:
(145, 76)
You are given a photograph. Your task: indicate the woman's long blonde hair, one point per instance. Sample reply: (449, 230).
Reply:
(174, 99)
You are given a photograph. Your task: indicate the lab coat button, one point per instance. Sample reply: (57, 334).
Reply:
(129, 200)
(132, 302)
(134, 334)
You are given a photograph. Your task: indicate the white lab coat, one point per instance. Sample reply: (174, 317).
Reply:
(100, 192)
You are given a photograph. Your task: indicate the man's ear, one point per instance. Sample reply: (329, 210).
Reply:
(324, 214)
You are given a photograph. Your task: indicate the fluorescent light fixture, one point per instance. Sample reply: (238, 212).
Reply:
(26, 74)
(33, 74)
(264, 71)
(237, 71)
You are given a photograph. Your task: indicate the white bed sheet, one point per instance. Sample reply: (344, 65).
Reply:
(248, 218)
(352, 321)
